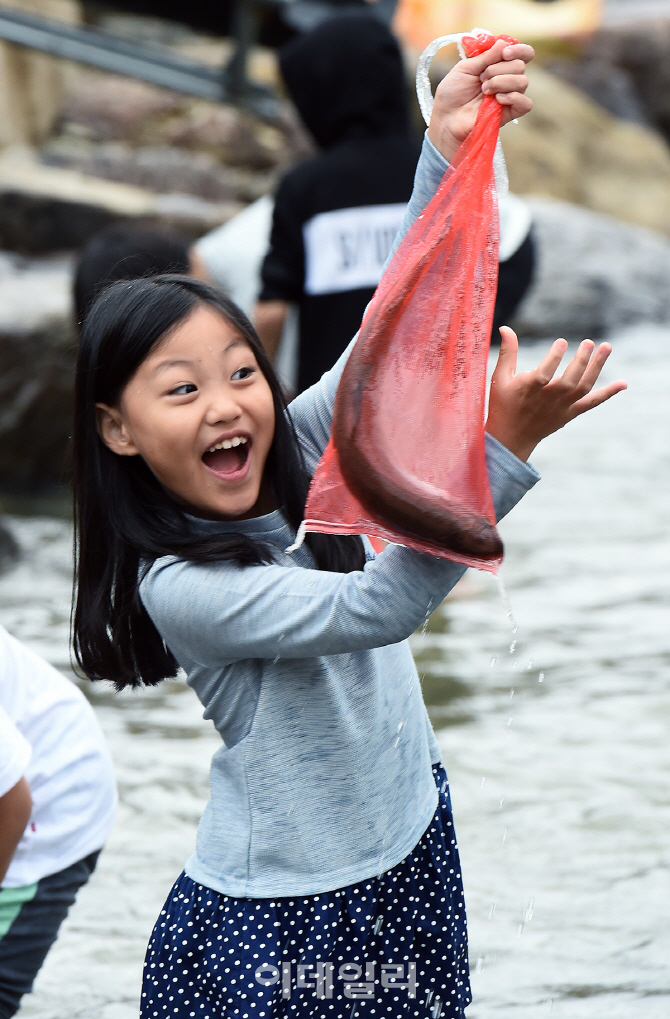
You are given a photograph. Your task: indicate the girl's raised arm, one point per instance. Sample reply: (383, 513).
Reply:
(220, 613)
(499, 71)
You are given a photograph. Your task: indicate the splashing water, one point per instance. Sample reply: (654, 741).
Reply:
(507, 605)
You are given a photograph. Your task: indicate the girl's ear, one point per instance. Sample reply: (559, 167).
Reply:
(112, 430)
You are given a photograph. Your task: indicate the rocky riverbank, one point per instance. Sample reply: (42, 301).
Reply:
(594, 274)
(597, 178)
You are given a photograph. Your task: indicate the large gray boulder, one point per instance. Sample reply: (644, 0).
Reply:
(37, 351)
(594, 274)
(639, 48)
(47, 208)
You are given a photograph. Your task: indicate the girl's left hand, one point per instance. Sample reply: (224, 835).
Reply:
(499, 71)
(525, 408)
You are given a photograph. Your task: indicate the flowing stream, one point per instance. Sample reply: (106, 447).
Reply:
(555, 738)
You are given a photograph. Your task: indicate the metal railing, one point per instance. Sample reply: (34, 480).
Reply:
(154, 64)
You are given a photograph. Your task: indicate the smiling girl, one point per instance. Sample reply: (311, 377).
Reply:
(325, 877)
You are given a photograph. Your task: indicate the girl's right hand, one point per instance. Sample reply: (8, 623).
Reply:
(525, 408)
(499, 71)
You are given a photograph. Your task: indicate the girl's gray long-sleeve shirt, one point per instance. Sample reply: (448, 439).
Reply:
(324, 776)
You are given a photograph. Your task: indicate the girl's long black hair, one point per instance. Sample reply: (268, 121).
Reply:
(123, 516)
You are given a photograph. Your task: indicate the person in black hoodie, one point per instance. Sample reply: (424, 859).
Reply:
(336, 214)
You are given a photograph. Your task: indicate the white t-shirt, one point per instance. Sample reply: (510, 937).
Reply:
(346, 249)
(50, 735)
(233, 255)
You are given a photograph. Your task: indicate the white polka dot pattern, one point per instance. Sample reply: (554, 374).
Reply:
(395, 943)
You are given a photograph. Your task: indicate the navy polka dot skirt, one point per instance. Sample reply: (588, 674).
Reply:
(392, 946)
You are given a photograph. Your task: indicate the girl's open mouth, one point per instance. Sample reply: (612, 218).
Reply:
(229, 459)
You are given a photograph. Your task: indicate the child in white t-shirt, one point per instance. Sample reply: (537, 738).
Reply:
(57, 806)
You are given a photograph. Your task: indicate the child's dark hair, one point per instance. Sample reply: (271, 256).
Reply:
(123, 516)
(124, 251)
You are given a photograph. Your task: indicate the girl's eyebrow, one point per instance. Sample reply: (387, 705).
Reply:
(172, 364)
(185, 362)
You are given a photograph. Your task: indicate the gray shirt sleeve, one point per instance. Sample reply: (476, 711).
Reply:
(215, 614)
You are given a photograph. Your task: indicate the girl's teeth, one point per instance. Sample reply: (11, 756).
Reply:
(237, 440)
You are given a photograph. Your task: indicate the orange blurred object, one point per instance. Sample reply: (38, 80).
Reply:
(418, 22)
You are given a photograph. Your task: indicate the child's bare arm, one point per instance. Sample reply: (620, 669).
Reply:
(15, 808)
(525, 408)
(499, 71)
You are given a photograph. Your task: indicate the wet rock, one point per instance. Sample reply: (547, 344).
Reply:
(107, 108)
(610, 87)
(45, 209)
(36, 379)
(236, 138)
(639, 48)
(162, 169)
(571, 149)
(112, 108)
(36, 372)
(594, 274)
(9, 550)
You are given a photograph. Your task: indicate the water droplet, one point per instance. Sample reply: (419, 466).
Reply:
(512, 647)
(492, 910)
(479, 965)
(507, 605)
(504, 838)
(437, 1009)
(378, 924)
(493, 661)
(275, 659)
(483, 782)
(530, 665)
(500, 805)
(540, 678)
(511, 693)
(509, 721)
(424, 628)
(429, 997)
(400, 726)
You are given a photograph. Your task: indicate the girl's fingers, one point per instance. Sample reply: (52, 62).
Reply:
(504, 67)
(573, 374)
(504, 83)
(519, 51)
(546, 369)
(596, 398)
(507, 355)
(594, 367)
(500, 51)
(478, 64)
(515, 104)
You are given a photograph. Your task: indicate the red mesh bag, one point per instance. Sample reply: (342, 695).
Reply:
(406, 458)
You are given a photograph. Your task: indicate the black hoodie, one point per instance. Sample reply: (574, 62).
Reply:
(346, 78)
